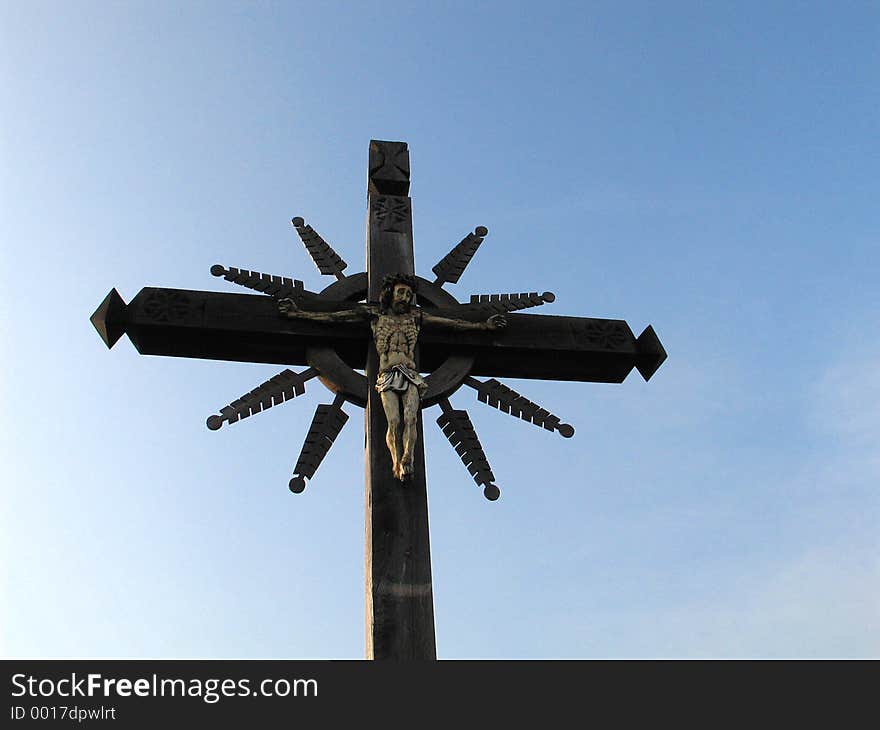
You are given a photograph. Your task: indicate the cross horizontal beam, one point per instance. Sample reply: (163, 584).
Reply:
(248, 328)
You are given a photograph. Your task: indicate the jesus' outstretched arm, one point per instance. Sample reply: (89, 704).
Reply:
(495, 322)
(358, 313)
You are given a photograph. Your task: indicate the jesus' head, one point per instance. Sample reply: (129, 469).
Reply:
(397, 293)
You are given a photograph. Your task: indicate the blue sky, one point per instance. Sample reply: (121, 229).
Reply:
(708, 168)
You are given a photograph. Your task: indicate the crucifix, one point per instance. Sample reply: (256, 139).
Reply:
(369, 338)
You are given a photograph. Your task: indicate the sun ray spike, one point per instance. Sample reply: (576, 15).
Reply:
(485, 305)
(326, 259)
(276, 286)
(507, 400)
(276, 390)
(326, 425)
(450, 268)
(501, 303)
(457, 427)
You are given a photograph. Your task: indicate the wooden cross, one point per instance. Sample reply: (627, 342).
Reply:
(248, 328)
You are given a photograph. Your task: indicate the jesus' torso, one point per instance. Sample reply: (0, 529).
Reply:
(395, 336)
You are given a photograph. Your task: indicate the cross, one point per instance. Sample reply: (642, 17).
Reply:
(335, 347)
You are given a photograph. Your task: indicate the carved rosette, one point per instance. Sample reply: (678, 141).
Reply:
(391, 212)
(607, 334)
(165, 306)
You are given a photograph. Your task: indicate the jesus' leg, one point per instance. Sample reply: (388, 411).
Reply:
(410, 428)
(391, 404)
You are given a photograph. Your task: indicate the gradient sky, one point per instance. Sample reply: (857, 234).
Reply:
(708, 168)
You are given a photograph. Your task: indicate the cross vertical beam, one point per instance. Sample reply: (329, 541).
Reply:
(399, 594)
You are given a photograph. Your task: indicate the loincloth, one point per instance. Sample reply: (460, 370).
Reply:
(399, 378)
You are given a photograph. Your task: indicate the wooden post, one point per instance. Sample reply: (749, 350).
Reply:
(399, 596)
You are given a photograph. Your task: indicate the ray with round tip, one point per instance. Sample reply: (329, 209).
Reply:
(326, 259)
(278, 389)
(450, 268)
(458, 429)
(496, 394)
(275, 286)
(326, 425)
(485, 305)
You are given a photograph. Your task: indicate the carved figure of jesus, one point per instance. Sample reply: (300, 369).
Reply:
(396, 324)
